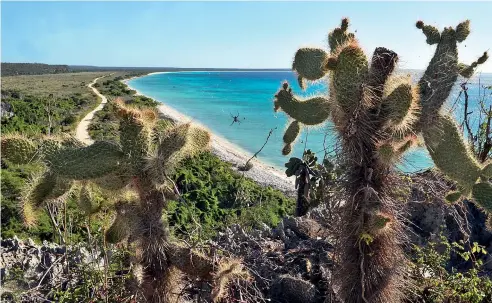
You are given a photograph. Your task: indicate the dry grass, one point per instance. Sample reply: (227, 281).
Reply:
(60, 85)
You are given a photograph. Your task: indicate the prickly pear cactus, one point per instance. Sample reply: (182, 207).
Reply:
(142, 166)
(18, 149)
(378, 116)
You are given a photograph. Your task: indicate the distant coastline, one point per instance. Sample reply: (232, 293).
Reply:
(261, 172)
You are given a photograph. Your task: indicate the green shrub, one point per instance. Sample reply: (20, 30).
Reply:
(214, 196)
(437, 281)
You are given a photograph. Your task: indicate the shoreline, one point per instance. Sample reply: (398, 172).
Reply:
(261, 172)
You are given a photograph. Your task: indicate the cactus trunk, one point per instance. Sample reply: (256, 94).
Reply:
(378, 118)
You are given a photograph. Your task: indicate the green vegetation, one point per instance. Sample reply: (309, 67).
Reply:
(59, 100)
(88, 283)
(435, 282)
(13, 181)
(213, 196)
(134, 178)
(377, 116)
(15, 69)
(104, 125)
(62, 99)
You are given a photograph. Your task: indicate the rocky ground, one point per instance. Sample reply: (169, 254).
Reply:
(289, 263)
(27, 267)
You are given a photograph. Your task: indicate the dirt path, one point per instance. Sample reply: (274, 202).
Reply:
(82, 130)
(260, 172)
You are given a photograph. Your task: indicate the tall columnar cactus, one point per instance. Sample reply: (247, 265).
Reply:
(378, 116)
(142, 164)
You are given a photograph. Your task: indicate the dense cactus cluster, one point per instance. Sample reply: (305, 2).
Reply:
(135, 174)
(378, 116)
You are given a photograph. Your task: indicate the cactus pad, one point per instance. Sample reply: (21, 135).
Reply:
(453, 196)
(432, 33)
(487, 171)
(310, 63)
(18, 149)
(88, 162)
(351, 71)
(291, 135)
(482, 194)
(450, 153)
(90, 199)
(400, 106)
(177, 144)
(386, 153)
(339, 36)
(309, 112)
(135, 138)
(39, 188)
(462, 30)
(117, 232)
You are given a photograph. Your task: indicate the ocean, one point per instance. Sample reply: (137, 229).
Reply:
(213, 98)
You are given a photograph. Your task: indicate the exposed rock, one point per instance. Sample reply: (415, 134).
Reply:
(296, 250)
(288, 289)
(45, 264)
(6, 109)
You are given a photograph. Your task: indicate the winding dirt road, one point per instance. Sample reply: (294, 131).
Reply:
(82, 130)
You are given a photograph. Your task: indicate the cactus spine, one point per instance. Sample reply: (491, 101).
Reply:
(138, 165)
(378, 117)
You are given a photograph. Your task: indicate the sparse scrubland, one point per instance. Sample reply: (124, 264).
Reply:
(148, 213)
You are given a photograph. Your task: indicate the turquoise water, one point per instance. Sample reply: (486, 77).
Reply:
(212, 97)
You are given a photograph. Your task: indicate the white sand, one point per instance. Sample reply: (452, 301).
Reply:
(262, 173)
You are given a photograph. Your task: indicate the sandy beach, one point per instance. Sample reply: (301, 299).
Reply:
(262, 173)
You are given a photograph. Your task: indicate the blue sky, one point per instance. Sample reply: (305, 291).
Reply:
(225, 34)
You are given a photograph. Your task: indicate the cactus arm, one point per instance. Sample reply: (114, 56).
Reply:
(89, 162)
(176, 144)
(482, 194)
(38, 189)
(401, 106)
(487, 171)
(439, 77)
(18, 149)
(431, 33)
(309, 112)
(126, 223)
(382, 66)
(90, 198)
(135, 136)
(450, 153)
(350, 73)
(310, 64)
(467, 71)
(462, 30)
(443, 69)
(118, 231)
(339, 36)
(290, 135)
